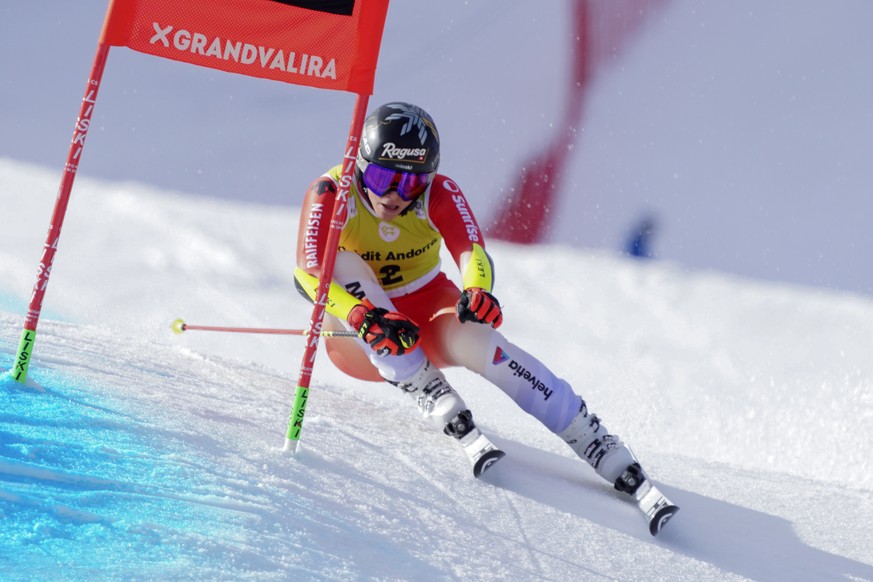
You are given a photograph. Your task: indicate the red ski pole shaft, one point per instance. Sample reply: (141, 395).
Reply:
(180, 326)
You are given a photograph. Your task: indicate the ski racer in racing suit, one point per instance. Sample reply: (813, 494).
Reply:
(411, 320)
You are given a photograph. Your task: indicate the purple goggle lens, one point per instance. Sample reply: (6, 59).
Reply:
(408, 185)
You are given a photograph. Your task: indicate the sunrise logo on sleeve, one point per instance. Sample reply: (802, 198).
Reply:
(332, 44)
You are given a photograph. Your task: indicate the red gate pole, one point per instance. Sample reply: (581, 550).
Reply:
(340, 211)
(83, 123)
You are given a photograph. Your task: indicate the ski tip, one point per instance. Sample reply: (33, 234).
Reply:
(660, 519)
(486, 461)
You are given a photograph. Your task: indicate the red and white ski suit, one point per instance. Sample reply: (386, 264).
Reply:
(396, 265)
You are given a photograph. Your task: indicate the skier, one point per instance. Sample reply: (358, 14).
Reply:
(411, 320)
(639, 245)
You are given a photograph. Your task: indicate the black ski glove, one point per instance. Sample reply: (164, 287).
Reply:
(477, 304)
(387, 332)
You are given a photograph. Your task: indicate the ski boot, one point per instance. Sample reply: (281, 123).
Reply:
(654, 504)
(604, 452)
(481, 451)
(441, 405)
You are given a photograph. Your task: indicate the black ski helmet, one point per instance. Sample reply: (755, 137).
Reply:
(402, 137)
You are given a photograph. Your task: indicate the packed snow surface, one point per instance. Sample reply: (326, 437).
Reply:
(134, 453)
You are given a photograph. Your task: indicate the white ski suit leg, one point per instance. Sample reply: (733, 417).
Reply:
(482, 349)
(540, 393)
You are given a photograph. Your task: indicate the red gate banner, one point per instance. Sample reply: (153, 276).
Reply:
(332, 44)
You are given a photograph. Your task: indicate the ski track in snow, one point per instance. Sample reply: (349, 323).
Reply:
(204, 493)
(137, 454)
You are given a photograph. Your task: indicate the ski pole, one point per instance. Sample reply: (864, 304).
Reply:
(179, 326)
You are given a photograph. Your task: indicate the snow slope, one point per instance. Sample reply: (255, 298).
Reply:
(138, 454)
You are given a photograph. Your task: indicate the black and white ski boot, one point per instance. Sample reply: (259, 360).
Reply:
(443, 407)
(478, 448)
(605, 452)
(654, 504)
(614, 461)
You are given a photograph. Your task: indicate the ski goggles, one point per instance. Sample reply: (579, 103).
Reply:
(408, 185)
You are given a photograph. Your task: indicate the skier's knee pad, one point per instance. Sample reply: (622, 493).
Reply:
(470, 344)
